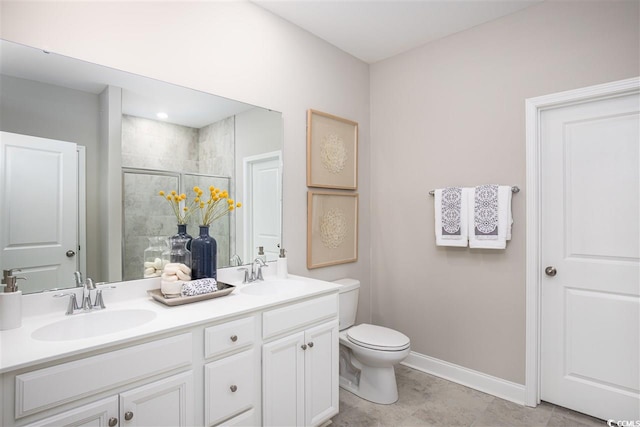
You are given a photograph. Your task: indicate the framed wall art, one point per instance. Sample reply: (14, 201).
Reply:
(332, 228)
(332, 151)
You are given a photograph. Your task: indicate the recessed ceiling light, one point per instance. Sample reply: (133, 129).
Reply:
(162, 116)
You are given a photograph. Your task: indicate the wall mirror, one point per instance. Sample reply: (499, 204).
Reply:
(86, 150)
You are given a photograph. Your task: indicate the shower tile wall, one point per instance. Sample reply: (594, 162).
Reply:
(151, 144)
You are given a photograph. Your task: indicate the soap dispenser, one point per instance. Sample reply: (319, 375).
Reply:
(281, 266)
(10, 301)
(261, 254)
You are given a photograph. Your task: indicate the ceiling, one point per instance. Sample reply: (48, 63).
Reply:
(379, 29)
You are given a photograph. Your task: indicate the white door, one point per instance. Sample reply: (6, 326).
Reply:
(321, 373)
(590, 346)
(168, 402)
(37, 172)
(283, 381)
(264, 216)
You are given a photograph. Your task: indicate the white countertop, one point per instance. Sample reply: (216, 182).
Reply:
(19, 350)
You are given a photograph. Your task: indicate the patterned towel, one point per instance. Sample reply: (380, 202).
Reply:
(451, 211)
(199, 287)
(486, 212)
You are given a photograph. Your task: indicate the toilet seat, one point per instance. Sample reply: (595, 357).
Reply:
(378, 338)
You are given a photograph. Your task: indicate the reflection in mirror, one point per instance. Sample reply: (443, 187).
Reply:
(84, 155)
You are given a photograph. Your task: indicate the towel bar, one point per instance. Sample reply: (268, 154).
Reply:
(514, 189)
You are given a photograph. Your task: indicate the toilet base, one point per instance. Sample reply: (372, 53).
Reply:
(377, 385)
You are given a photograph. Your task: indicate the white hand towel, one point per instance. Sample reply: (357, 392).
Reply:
(505, 221)
(460, 238)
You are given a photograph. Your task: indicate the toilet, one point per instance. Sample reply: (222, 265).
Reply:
(367, 352)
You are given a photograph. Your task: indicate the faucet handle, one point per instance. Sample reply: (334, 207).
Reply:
(99, 303)
(259, 273)
(73, 302)
(246, 274)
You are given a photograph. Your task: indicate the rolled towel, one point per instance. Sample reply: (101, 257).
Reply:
(171, 289)
(199, 287)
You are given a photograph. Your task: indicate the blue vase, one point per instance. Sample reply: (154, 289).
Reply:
(182, 234)
(204, 251)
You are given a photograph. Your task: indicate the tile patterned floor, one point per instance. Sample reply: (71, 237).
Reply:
(426, 400)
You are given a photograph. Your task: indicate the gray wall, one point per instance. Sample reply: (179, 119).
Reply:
(33, 108)
(452, 113)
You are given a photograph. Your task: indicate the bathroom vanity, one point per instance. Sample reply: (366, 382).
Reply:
(267, 354)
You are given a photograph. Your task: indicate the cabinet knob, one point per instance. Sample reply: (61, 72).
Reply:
(310, 344)
(234, 338)
(303, 346)
(233, 388)
(128, 415)
(113, 422)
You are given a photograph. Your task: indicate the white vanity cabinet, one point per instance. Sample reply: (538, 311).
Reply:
(300, 369)
(167, 402)
(132, 386)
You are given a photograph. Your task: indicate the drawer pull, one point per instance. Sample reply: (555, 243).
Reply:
(234, 338)
(233, 388)
(128, 415)
(113, 422)
(311, 344)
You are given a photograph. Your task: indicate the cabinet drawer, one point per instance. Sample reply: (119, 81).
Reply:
(246, 419)
(230, 336)
(298, 315)
(230, 386)
(91, 375)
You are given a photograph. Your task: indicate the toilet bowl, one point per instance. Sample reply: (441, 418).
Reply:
(368, 353)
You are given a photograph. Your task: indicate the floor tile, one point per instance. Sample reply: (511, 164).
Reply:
(429, 401)
(502, 413)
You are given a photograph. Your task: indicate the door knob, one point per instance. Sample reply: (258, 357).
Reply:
(128, 415)
(550, 271)
(71, 253)
(113, 422)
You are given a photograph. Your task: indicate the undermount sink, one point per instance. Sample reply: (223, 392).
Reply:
(93, 324)
(274, 287)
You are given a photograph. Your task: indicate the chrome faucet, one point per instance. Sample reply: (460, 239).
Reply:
(256, 271)
(87, 287)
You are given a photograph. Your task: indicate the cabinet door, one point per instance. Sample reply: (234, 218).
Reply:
(321, 373)
(230, 386)
(283, 381)
(96, 414)
(167, 402)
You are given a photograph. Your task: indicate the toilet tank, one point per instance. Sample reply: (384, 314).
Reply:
(348, 301)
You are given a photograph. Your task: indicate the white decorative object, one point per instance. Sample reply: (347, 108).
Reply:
(333, 228)
(333, 153)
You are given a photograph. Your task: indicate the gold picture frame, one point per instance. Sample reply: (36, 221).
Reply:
(332, 228)
(332, 151)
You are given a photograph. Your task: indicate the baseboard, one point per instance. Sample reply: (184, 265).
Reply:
(467, 377)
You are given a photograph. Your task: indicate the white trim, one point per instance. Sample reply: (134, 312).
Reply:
(533, 108)
(467, 377)
(82, 210)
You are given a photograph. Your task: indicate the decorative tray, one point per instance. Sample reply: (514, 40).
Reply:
(223, 290)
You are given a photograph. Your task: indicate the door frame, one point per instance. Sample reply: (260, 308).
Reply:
(534, 107)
